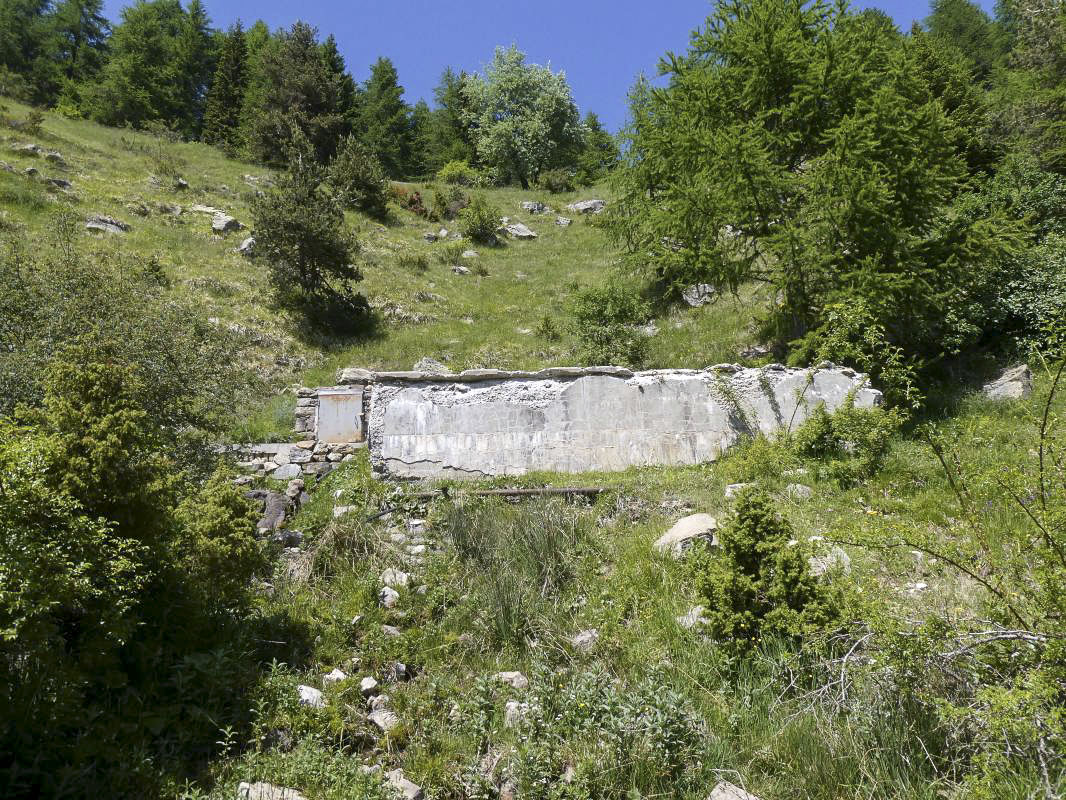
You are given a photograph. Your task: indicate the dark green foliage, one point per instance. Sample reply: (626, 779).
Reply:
(480, 220)
(300, 235)
(600, 154)
(967, 28)
(758, 586)
(384, 119)
(443, 134)
(605, 320)
(828, 202)
(223, 115)
(556, 181)
(160, 63)
(357, 177)
(851, 442)
(295, 85)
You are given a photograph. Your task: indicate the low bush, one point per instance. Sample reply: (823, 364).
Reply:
(408, 259)
(851, 442)
(525, 557)
(479, 221)
(758, 586)
(556, 181)
(449, 253)
(605, 320)
(458, 173)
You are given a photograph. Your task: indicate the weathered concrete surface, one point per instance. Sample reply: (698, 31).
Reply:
(340, 415)
(490, 422)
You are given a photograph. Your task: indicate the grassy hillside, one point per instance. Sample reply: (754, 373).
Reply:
(639, 704)
(490, 318)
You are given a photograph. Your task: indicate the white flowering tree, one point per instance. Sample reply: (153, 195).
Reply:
(523, 116)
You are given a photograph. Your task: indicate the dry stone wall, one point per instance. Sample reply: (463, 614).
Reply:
(492, 422)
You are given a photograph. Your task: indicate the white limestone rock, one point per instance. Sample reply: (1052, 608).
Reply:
(1015, 383)
(310, 696)
(516, 680)
(685, 532)
(261, 790)
(724, 790)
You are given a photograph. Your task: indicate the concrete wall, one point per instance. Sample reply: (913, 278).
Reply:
(491, 422)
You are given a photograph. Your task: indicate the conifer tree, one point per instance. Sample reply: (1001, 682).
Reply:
(385, 119)
(294, 84)
(194, 57)
(223, 114)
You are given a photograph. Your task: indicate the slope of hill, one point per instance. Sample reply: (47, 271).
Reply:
(466, 647)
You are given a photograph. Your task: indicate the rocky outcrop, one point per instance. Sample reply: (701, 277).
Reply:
(587, 206)
(1015, 383)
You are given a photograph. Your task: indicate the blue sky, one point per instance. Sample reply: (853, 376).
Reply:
(602, 45)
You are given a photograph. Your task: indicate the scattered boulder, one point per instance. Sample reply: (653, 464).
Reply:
(180, 184)
(469, 254)
(516, 680)
(223, 223)
(266, 791)
(245, 248)
(202, 209)
(59, 183)
(391, 631)
(514, 712)
(534, 207)
(310, 696)
(430, 365)
(368, 687)
(334, 676)
(754, 352)
(698, 295)
(399, 782)
(396, 672)
(31, 150)
(394, 577)
(835, 559)
(733, 489)
(389, 597)
(584, 641)
(517, 230)
(385, 720)
(459, 269)
(685, 532)
(1015, 383)
(287, 472)
(274, 506)
(31, 172)
(429, 236)
(100, 223)
(693, 618)
(587, 206)
(55, 157)
(724, 790)
(798, 491)
(563, 222)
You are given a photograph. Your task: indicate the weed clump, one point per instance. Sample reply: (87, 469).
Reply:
(479, 220)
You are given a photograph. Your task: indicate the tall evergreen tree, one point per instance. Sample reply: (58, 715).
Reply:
(347, 91)
(141, 82)
(81, 33)
(194, 54)
(385, 119)
(223, 115)
(27, 68)
(965, 25)
(294, 84)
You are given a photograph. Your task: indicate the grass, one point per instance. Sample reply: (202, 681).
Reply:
(489, 318)
(652, 710)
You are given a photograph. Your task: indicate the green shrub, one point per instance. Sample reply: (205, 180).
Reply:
(358, 178)
(605, 321)
(408, 259)
(448, 204)
(852, 442)
(556, 181)
(480, 220)
(450, 253)
(458, 173)
(758, 587)
(548, 329)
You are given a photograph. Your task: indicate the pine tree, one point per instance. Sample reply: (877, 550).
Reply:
(223, 114)
(385, 119)
(600, 152)
(141, 82)
(194, 62)
(81, 34)
(294, 86)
